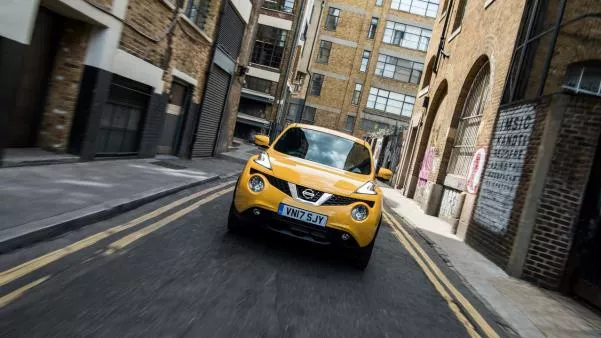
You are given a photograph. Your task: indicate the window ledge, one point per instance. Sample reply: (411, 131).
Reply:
(168, 4)
(278, 11)
(454, 34)
(444, 15)
(488, 3)
(271, 69)
(424, 91)
(196, 28)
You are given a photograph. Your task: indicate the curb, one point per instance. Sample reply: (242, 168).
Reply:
(29, 233)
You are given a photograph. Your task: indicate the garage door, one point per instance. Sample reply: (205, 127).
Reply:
(210, 112)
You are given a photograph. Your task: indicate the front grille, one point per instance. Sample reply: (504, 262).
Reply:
(279, 184)
(317, 194)
(343, 200)
(283, 186)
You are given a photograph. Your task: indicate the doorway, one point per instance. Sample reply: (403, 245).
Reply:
(175, 114)
(26, 115)
(587, 281)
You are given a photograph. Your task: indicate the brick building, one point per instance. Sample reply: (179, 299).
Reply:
(362, 70)
(117, 77)
(510, 158)
(271, 55)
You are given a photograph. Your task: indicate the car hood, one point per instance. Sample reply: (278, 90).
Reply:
(316, 176)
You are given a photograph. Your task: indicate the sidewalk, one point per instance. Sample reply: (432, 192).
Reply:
(40, 201)
(530, 311)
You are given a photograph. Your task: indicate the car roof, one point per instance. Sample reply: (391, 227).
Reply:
(330, 131)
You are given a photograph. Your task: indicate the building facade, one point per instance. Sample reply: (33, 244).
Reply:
(362, 71)
(504, 139)
(272, 54)
(116, 77)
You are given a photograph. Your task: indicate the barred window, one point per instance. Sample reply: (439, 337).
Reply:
(269, 46)
(373, 27)
(419, 7)
(407, 36)
(364, 61)
(349, 124)
(399, 69)
(316, 84)
(357, 94)
(390, 102)
(197, 12)
(469, 123)
(279, 5)
(324, 51)
(332, 19)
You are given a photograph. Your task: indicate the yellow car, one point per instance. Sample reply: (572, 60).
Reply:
(315, 184)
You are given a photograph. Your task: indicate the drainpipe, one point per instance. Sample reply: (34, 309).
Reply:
(443, 37)
(281, 95)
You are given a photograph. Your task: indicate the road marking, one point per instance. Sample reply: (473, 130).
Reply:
(42, 261)
(9, 298)
(129, 239)
(482, 323)
(437, 284)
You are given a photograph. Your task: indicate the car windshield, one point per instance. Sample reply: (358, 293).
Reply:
(324, 148)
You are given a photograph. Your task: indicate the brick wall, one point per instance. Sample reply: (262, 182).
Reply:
(559, 207)
(63, 87)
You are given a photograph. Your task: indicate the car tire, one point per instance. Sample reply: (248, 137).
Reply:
(363, 254)
(233, 223)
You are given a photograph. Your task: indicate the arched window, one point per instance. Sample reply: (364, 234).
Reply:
(428, 73)
(469, 123)
(584, 78)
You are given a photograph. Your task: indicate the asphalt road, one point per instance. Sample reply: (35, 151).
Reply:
(188, 276)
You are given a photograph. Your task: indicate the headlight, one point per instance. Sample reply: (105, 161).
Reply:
(368, 188)
(256, 183)
(263, 160)
(359, 213)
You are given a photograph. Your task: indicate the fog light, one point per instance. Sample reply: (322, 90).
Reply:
(256, 184)
(345, 237)
(359, 213)
(256, 212)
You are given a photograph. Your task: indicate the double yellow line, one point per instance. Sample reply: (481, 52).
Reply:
(35, 264)
(441, 283)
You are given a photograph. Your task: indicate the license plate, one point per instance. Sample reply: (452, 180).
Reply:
(302, 215)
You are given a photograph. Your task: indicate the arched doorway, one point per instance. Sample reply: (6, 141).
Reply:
(467, 125)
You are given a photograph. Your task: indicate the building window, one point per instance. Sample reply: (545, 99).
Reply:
(324, 51)
(459, 15)
(279, 5)
(293, 110)
(308, 115)
(357, 94)
(373, 27)
(269, 46)
(379, 3)
(257, 84)
(332, 18)
(349, 124)
(304, 35)
(584, 79)
(469, 124)
(364, 61)
(197, 12)
(419, 7)
(390, 102)
(399, 69)
(369, 125)
(407, 36)
(316, 84)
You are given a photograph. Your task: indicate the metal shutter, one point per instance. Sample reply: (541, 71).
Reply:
(210, 112)
(231, 31)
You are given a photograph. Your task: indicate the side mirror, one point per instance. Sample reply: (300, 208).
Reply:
(384, 174)
(262, 141)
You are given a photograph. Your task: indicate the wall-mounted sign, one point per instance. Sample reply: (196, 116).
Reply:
(503, 171)
(475, 172)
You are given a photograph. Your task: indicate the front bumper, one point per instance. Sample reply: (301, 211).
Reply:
(339, 222)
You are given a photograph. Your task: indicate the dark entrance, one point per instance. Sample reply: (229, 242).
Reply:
(25, 116)
(213, 102)
(588, 246)
(122, 118)
(174, 117)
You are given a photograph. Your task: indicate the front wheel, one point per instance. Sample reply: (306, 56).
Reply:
(233, 223)
(362, 256)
